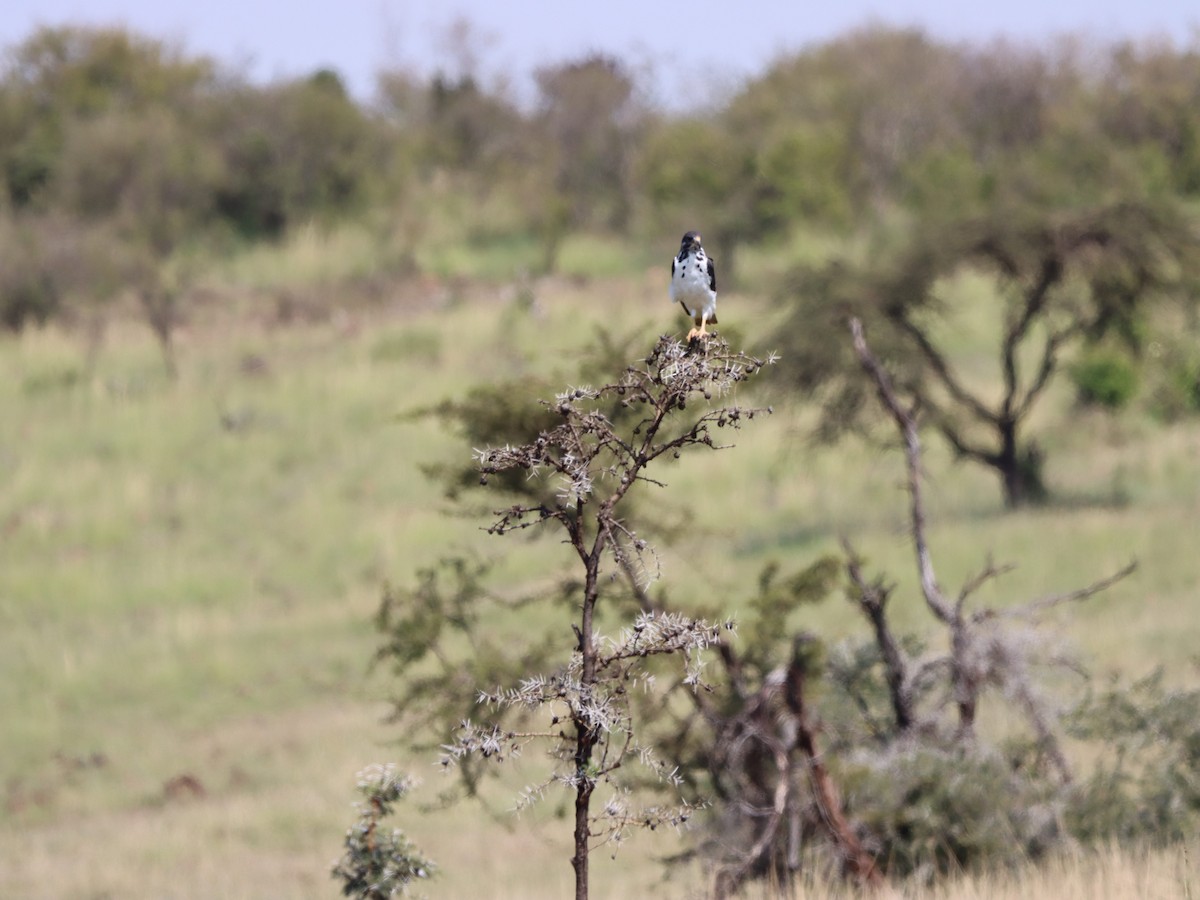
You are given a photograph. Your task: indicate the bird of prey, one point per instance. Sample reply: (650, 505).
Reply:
(694, 284)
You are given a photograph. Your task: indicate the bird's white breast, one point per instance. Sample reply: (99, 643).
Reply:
(689, 285)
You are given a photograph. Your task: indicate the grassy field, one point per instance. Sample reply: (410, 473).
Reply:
(188, 571)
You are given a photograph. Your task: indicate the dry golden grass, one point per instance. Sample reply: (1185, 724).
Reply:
(1111, 874)
(188, 571)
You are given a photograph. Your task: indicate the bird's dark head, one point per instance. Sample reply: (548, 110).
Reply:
(691, 241)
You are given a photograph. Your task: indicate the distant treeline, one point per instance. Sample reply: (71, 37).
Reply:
(117, 149)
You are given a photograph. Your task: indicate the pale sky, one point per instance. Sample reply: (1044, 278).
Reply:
(684, 42)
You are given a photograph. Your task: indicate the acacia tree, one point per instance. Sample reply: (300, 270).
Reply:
(1061, 279)
(590, 115)
(594, 458)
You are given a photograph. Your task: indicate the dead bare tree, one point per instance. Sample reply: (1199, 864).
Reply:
(985, 650)
(776, 718)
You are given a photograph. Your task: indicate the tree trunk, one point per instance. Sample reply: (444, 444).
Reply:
(585, 731)
(583, 797)
(1020, 470)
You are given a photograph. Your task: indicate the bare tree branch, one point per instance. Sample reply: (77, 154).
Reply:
(857, 863)
(872, 600)
(941, 369)
(986, 574)
(912, 456)
(962, 448)
(982, 654)
(1037, 607)
(755, 723)
(1047, 368)
(1035, 301)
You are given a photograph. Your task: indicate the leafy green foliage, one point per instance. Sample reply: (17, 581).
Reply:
(721, 193)
(379, 862)
(765, 635)
(507, 412)
(58, 266)
(466, 126)
(492, 415)
(589, 114)
(103, 122)
(933, 812)
(1146, 784)
(291, 152)
(1104, 378)
(436, 642)
(743, 186)
(28, 294)
(61, 77)
(1175, 388)
(149, 174)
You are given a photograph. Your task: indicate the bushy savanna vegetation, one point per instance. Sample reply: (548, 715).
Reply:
(254, 332)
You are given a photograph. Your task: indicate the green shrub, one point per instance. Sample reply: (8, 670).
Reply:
(28, 291)
(379, 862)
(1105, 378)
(931, 812)
(1176, 392)
(1145, 785)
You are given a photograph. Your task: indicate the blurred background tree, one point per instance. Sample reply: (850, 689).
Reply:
(1055, 280)
(831, 137)
(61, 77)
(854, 142)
